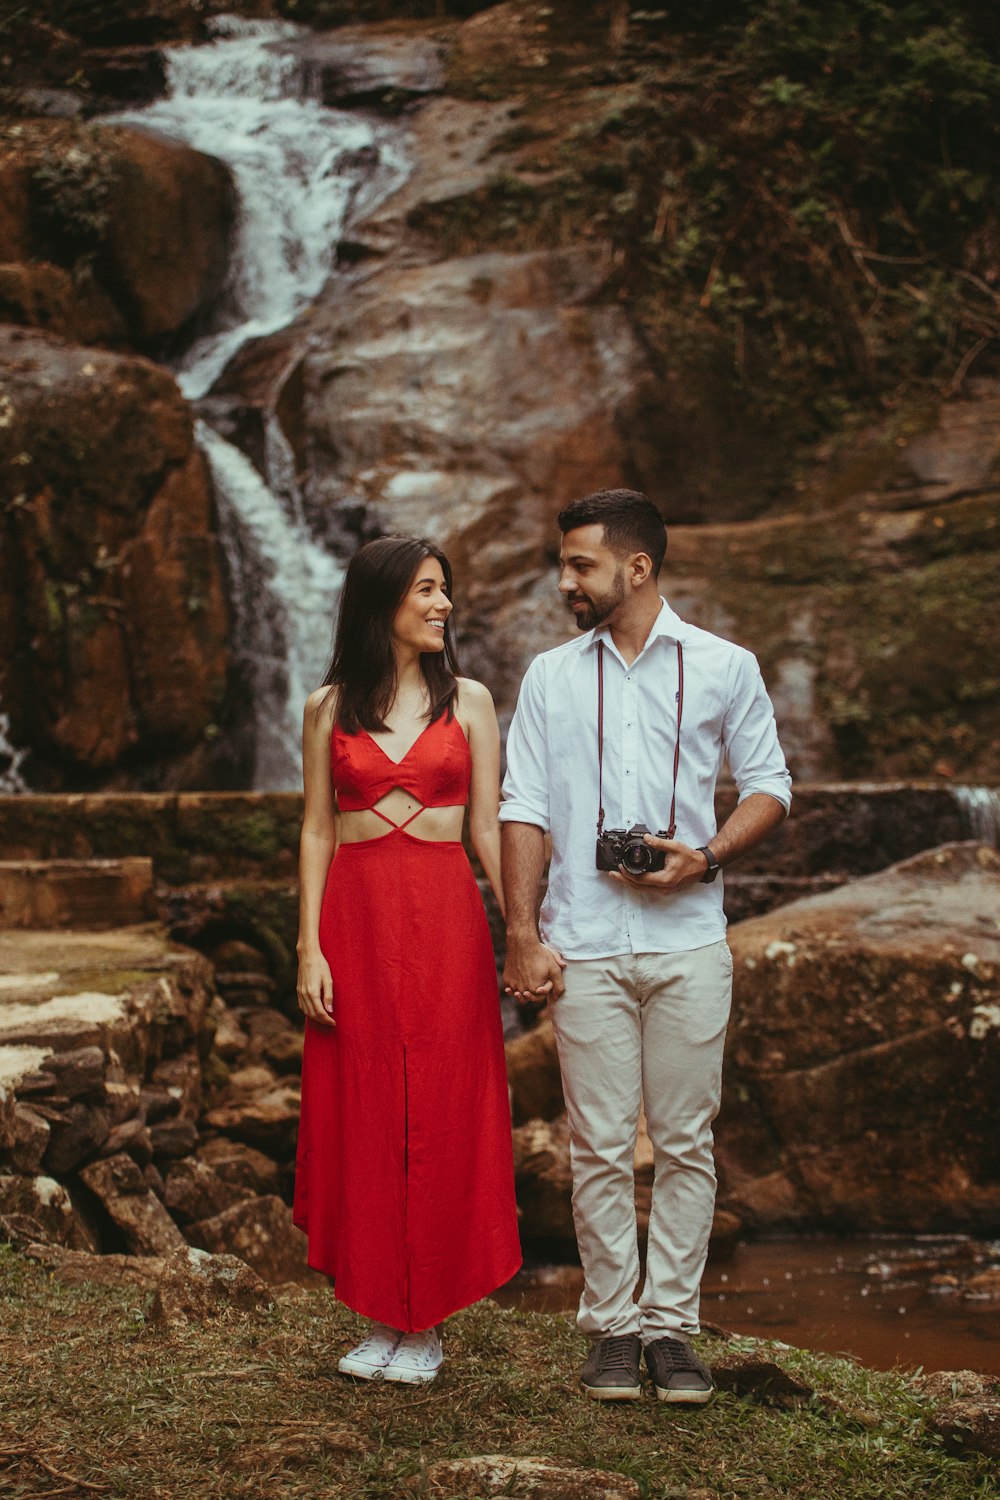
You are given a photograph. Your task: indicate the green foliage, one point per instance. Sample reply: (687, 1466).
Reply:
(823, 185)
(816, 181)
(71, 184)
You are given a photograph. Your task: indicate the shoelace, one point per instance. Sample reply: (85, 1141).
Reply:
(678, 1356)
(421, 1351)
(615, 1353)
(374, 1344)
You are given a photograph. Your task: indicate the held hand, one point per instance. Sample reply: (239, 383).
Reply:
(533, 970)
(315, 990)
(558, 983)
(684, 866)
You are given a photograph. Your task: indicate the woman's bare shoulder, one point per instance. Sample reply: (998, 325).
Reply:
(473, 695)
(322, 704)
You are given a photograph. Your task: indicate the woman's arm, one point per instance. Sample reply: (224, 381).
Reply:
(316, 849)
(478, 718)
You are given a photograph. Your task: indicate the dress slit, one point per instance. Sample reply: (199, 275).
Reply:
(406, 1180)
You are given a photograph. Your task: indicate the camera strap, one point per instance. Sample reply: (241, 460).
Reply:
(672, 825)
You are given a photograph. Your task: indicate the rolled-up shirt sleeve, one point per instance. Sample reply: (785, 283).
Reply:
(750, 735)
(525, 786)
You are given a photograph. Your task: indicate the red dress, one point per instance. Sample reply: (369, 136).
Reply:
(404, 1177)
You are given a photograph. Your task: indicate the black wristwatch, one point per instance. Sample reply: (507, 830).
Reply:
(713, 864)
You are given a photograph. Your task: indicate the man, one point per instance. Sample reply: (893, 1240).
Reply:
(630, 724)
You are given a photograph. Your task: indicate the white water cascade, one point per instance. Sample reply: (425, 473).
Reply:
(11, 760)
(302, 172)
(284, 587)
(980, 807)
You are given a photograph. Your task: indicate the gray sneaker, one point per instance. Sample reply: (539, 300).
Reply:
(678, 1373)
(612, 1368)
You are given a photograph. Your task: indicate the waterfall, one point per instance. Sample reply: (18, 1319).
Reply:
(302, 173)
(11, 760)
(273, 561)
(980, 807)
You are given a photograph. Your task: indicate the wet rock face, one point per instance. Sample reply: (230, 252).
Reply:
(354, 68)
(859, 1082)
(870, 622)
(114, 634)
(468, 401)
(533, 1075)
(170, 218)
(544, 1182)
(110, 235)
(72, 45)
(862, 1057)
(111, 893)
(468, 396)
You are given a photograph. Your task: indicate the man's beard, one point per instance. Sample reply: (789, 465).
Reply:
(599, 606)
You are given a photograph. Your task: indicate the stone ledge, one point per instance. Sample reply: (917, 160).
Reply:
(79, 893)
(840, 828)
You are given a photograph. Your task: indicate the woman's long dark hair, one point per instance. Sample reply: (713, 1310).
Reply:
(363, 669)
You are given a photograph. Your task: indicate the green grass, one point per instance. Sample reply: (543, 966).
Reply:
(252, 1406)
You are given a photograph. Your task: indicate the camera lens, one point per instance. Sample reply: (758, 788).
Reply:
(637, 857)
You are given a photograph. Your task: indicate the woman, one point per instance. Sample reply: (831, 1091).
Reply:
(404, 1180)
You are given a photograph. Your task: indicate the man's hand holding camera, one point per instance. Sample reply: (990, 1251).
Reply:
(673, 866)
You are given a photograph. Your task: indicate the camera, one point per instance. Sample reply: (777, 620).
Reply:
(617, 847)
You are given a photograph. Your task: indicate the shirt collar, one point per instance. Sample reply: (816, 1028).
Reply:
(667, 624)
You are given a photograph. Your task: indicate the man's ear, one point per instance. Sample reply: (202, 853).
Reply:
(640, 568)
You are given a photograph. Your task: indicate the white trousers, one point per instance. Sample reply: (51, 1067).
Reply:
(643, 1028)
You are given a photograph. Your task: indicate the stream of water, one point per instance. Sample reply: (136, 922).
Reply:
(302, 173)
(887, 1302)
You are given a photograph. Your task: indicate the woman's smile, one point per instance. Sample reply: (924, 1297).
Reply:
(422, 617)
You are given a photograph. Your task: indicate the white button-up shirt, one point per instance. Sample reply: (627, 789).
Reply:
(552, 778)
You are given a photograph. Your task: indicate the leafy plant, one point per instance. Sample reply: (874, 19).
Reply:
(71, 184)
(816, 182)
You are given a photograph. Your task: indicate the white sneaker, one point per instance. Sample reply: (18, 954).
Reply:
(417, 1358)
(369, 1359)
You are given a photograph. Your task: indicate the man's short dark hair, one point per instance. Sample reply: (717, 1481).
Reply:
(631, 522)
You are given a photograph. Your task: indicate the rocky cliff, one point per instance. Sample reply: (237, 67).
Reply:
(108, 235)
(113, 613)
(483, 352)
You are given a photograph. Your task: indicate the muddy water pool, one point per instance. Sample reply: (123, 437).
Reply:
(887, 1302)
